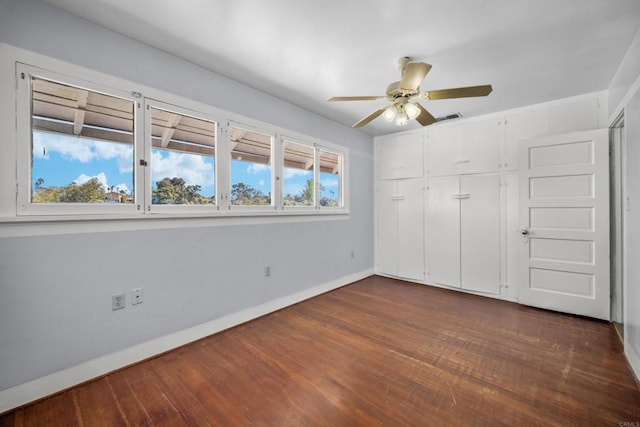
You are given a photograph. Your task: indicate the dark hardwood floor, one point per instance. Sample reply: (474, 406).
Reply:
(376, 352)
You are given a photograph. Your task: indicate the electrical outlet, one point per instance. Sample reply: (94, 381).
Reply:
(117, 301)
(267, 270)
(136, 296)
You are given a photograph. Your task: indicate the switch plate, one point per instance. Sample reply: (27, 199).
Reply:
(136, 296)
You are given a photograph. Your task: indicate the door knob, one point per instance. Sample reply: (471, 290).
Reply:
(524, 231)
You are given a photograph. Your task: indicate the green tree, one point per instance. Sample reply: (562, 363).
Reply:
(244, 194)
(175, 191)
(91, 191)
(308, 193)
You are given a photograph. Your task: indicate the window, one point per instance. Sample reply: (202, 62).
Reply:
(81, 145)
(330, 179)
(298, 187)
(183, 150)
(86, 148)
(251, 167)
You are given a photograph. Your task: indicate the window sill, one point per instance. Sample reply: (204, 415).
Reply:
(28, 225)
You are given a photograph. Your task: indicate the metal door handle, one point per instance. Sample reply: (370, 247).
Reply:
(524, 231)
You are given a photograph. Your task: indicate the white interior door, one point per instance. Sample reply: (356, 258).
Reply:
(564, 216)
(480, 233)
(443, 231)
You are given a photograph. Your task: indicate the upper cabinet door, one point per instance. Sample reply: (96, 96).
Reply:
(443, 151)
(399, 156)
(522, 125)
(480, 143)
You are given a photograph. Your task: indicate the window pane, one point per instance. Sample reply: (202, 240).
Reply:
(182, 159)
(82, 145)
(297, 182)
(250, 167)
(330, 179)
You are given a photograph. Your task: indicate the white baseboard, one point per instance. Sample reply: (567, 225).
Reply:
(41, 387)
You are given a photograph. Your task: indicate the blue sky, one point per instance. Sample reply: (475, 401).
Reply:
(61, 160)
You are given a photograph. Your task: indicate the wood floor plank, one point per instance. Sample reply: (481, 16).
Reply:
(377, 352)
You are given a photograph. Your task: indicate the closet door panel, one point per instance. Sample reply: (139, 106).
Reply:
(480, 233)
(522, 125)
(443, 145)
(400, 156)
(480, 146)
(411, 229)
(387, 227)
(443, 231)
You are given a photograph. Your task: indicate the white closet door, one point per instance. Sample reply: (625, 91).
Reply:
(480, 233)
(480, 146)
(443, 145)
(410, 203)
(387, 228)
(443, 231)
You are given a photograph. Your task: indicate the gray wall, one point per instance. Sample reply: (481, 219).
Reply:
(55, 286)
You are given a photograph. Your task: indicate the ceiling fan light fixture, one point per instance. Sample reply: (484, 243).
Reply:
(402, 118)
(411, 110)
(390, 113)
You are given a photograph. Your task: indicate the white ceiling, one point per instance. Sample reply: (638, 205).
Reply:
(305, 51)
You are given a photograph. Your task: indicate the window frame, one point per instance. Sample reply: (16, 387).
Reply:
(273, 207)
(292, 208)
(341, 180)
(150, 208)
(24, 151)
(35, 65)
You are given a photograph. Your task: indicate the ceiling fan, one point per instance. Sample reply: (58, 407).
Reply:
(400, 94)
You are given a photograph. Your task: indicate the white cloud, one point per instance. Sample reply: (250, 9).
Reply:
(102, 179)
(261, 182)
(293, 189)
(329, 182)
(256, 168)
(192, 168)
(291, 172)
(121, 187)
(83, 150)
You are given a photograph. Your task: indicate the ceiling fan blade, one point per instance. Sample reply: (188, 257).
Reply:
(460, 92)
(424, 118)
(413, 75)
(355, 98)
(370, 117)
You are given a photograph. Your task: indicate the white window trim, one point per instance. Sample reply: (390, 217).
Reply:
(273, 207)
(152, 209)
(66, 73)
(341, 181)
(24, 74)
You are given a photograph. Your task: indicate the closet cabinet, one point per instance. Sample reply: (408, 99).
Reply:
(399, 156)
(467, 148)
(463, 232)
(400, 228)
